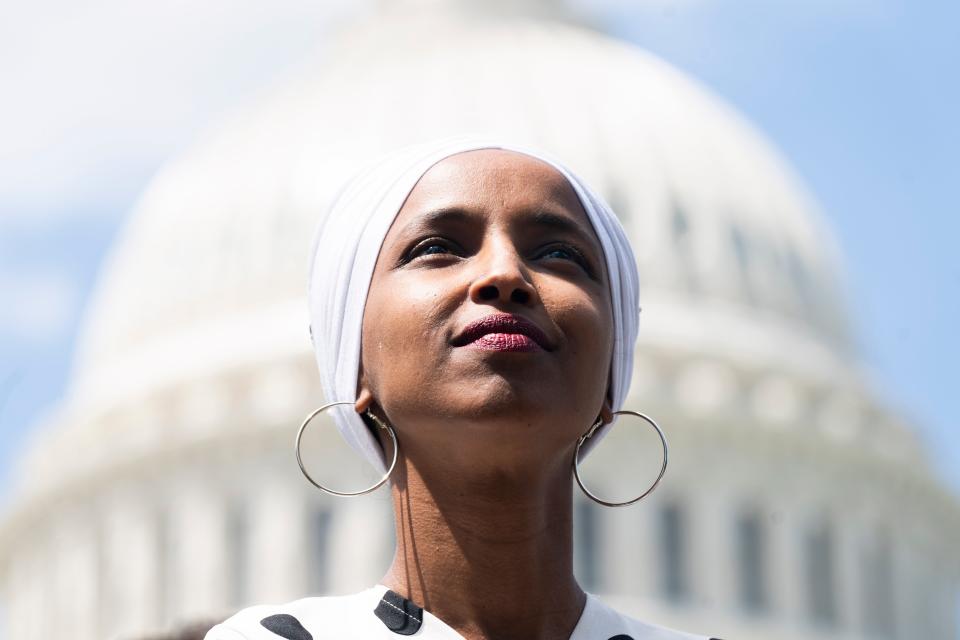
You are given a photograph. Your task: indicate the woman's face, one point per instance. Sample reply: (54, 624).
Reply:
(487, 331)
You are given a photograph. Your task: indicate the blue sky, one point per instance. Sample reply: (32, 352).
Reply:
(861, 97)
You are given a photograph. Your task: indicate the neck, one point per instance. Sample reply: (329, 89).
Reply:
(491, 556)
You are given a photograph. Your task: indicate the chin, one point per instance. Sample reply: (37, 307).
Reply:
(497, 392)
(500, 400)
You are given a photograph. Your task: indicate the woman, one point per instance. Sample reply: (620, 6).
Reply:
(496, 299)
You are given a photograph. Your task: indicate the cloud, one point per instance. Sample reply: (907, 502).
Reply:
(37, 306)
(98, 94)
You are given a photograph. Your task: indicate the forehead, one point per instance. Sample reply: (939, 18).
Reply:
(493, 177)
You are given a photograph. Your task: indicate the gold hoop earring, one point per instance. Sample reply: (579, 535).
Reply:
(345, 494)
(596, 425)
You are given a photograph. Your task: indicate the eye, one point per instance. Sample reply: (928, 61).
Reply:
(432, 247)
(559, 252)
(565, 252)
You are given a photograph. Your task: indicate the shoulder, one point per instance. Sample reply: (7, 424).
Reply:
(600, 621)
(305, 619)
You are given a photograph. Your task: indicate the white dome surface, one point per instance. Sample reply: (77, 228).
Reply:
(725, 236)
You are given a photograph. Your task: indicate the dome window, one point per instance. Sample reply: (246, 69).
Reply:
(682, 240)
(751, 558)
(680, 226)
(238, 553)
(672, 542)
(318, 548)
(820, 567)
(742, 254)
(800, 277)
(163, 554)
(877, 589)
(740, 249)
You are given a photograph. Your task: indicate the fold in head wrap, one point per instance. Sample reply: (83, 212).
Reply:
(345, 251)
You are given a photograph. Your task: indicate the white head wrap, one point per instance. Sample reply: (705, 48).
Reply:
(345, 251)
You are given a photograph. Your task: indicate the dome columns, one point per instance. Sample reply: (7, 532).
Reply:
(199, 563)
(278, 543)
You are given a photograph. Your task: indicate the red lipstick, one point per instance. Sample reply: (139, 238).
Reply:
(503, 332)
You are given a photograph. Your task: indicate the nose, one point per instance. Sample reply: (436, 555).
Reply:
(502, 277)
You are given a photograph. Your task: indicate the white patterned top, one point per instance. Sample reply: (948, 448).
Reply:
(381, 614)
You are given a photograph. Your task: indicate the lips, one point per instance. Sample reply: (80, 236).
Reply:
(503, 332)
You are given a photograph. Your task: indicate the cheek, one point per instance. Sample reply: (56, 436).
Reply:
(588, 325)
(403, 330)
(587, 321)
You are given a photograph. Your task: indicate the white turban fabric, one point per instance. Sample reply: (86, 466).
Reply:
(345, 251)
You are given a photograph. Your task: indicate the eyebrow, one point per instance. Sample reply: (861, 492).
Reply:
(563, 224)
(538, 218)
(443, 214)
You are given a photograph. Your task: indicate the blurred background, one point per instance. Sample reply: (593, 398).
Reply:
(787, 172)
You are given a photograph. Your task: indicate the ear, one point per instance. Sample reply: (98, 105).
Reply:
(364, 398)
(364, 393)
(606, 412)
(365, 404)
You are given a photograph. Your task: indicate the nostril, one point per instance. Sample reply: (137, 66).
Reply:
(520, 296)
(489, 293)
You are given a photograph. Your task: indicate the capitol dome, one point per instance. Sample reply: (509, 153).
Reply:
(194, 364)
(717, 217)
